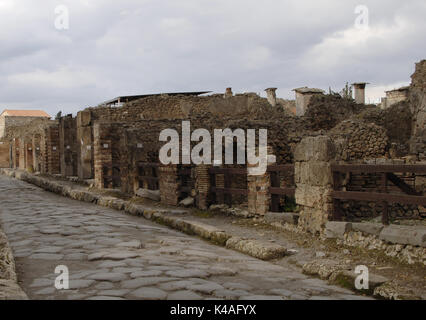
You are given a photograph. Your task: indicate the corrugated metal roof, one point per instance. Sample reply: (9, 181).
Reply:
(25, 113)
(124, 99)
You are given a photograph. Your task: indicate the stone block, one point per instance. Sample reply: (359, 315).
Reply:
(312, 196)
(319, 148)
(368, 228)
(412, 235)
(282, 217)
(313, 220)
(314, 173)
(337, 229)
(149, 194)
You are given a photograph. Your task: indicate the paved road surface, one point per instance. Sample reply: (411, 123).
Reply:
(114, 256)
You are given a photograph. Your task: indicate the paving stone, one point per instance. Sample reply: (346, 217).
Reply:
(105, 298)
(176, 285)
(80, 284)
(148, 273)
(112, 277)
(120, 255)
(206, 288)
(126, 270)
(230, 294)
(261, 297)
(236, 286)
(137, 283)
(131, 244)
(46, 291)
(76, 256)
(46, 256)
(104, 286)
(184, 295)
(149, 294)
(114, 293)
(42, 283)
(281, 292)
(112, 264)
(188, 273)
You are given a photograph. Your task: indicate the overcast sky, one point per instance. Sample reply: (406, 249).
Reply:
(127, 47)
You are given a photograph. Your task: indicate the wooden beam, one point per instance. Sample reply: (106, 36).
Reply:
(402, 185)
(373, 168)
(379, 197)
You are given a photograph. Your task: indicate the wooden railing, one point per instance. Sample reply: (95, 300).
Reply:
(275, 189)
(227, 192)
(148, 172)
(387, 173)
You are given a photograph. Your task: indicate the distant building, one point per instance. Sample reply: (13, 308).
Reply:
(303, 96)
(395, 96)
(11, 118)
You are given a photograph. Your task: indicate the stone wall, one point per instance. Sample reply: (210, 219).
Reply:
(417, 98)
(359, 140)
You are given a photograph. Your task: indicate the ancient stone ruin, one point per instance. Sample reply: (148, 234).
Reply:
(116, 146)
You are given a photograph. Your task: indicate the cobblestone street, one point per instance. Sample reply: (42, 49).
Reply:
(114, 256)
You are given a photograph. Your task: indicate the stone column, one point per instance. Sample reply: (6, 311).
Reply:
(85, 145)
(314, 182)
(102, 155)
(259, 198)
(169, 184)
(52, 149)
(202, 185)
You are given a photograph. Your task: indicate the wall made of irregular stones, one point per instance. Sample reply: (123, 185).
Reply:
(359, 140)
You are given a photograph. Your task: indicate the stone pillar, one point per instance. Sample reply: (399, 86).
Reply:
(52, 150)
(22, 154)
(259, 198)
(359, 91)
(36, 153)
(314, 182)
(85, 145)
(271, 96)
(102, 155)
(169, 184)
(5, 154)
(29, 158)
(202, 185)
(68, 145)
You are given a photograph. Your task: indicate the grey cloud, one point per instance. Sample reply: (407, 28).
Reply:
(131, 47)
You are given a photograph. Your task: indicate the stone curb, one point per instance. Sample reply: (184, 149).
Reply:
(342, 275)
(9, 287)
(257, 249)
(393, 234)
